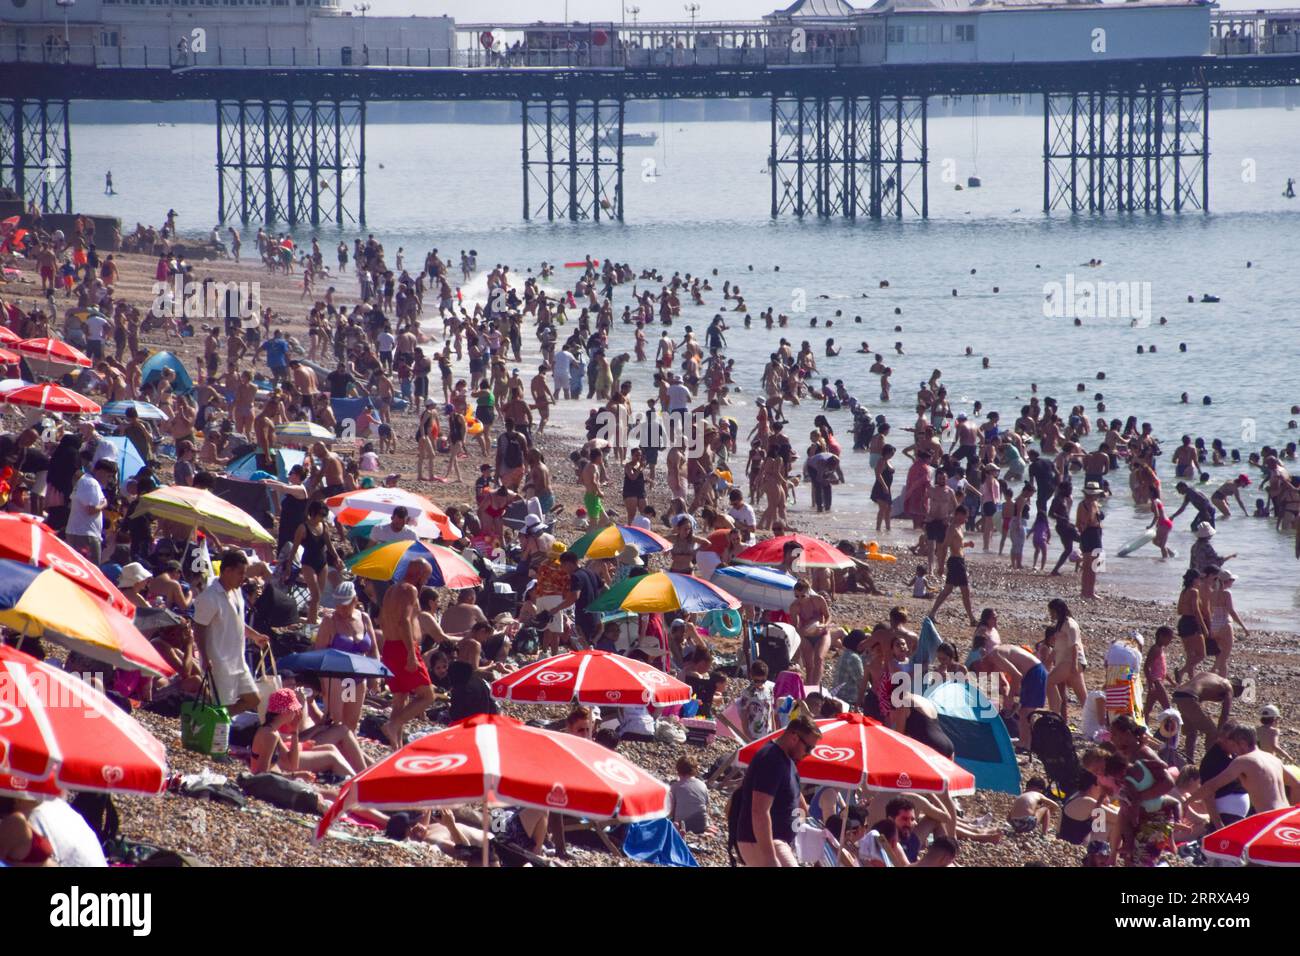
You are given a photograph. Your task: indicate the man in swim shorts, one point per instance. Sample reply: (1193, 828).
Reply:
(956, 577)
(592, 477)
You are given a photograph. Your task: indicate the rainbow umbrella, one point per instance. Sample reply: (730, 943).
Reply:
(664, 591)
(200, 508)
(389, 561)
(608, 541)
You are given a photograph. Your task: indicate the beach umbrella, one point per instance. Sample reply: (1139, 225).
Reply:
(608, 541)
(592, 677)
(20, 788)
(388, 562)
(9, 358)
(41, 602)
(8, 336)
(354, 507)
(816, 553)
(500, 761)
(664, 591)
(58, 730)
(856, 751)
(328, 662)
(26, 538)
(199, 508)
(304, 431)
(129, 462)
(1271, 838)
(756, 586)
(147, 411)
(51, 398)
(419, 522)
(53, 350)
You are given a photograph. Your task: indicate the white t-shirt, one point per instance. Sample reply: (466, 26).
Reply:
(86, 493)
(222, 613)
(74, 842)
(643, 522)
(560, 366)
(744, 515)
(386, 341)
(96, 324)
(706, 562)
(104, 449)
(679, 398)
(385, 533)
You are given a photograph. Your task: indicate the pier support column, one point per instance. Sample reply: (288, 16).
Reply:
(1128, 150)
(849, 156)
(573, 159)
(36, 152)
(291, 162)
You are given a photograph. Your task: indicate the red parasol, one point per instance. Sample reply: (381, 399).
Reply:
(55, 727)
(1271, 838)
(816, 553)
(53, 350)
(51, 398)
(592, 677)
(856, 751)
(28, 539)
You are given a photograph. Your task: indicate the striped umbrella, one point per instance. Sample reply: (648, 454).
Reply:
(757, 586)
(27, 539)
(148, 412)
(354, 507)
(304, 431)
(200, 508)
(1271, 838)
(664, 591)
(53, 350)
(389, 561)
(41, 602)
(51, 398)
(608, 541)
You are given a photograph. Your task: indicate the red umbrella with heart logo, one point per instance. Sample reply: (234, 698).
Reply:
(858, 752)
(499, 761)
(57, 730)
(1271, 838)
(592, 677)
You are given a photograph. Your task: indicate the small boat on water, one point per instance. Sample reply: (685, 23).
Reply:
(631, 139)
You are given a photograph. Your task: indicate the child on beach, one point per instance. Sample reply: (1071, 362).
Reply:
(1041, 535)
(1019, 531)
(1267, 733)
(1033, 809)
(1155, 669)
(1162, 524)
(921, 585)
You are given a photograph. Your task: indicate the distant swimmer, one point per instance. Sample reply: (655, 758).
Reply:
(1290, 189)
(108, 183)
(831, 349)
(865, 350)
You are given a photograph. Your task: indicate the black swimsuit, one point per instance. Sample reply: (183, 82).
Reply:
(880, 491)
(314, 549)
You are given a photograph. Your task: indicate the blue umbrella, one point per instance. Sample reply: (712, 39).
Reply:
(328, 662)
(146, 411)
(129, 462)
(756, 585)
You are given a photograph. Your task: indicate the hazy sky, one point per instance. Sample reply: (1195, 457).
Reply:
(517, 11)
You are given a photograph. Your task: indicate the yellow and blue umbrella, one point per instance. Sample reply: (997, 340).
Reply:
(200, 508)
(304, 431)
(664, 591)
(608, 541)
(389, 561)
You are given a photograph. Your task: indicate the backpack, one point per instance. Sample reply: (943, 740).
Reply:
(512, 454)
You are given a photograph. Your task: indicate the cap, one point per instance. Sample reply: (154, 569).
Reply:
(1271, 711)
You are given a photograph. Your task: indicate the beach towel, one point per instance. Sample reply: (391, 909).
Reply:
(657, 841)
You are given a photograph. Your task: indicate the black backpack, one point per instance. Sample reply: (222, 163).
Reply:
(512, 452)
(1053, 744)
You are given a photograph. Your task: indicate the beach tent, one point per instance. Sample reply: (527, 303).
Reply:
(657, 841)
(129, 462)
(347, 408)
(152, 371)
(285, 458)
(978, 735)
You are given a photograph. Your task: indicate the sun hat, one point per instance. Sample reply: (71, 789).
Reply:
(630, 556)
(1092, 488)
(133, 574)
(1270, 710)
(533, 525)
(345, 593)
(1205, 531)
(283, 701)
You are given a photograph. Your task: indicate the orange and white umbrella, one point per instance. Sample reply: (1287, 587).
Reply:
(51, 398)
(57, 730)
(200, 508)
(354, 507)
(1271, 838)
(858, 752)
(53, 350)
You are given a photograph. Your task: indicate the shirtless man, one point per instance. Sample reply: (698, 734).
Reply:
(1024, 672)
(956, 578)
(399, 627)
(1263, 775)
(1204, 688)
(940, 503)
(245, 393)
(593, 474)
(459, 618)
(543, 397)
(264, 429)
(304, 379)
(773, 486)
(812, 619)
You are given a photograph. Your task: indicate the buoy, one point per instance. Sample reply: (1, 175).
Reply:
(580, 265)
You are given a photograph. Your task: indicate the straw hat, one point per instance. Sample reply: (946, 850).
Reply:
(630, 556)
(1092, 489)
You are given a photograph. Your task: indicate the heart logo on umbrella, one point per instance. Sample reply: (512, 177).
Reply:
(66, 567)
(112, 775)
(654, 677)
(832, 754)
(616, 771)
(613, 695)
(554, 677)
(1288, 835)
(422, 765)
(9, 715)
(558, 797)
(17, 783)
(904, 782)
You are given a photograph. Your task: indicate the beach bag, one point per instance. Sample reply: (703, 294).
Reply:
(268, 681)
(205, 724)
(1053, 744)
(279, 790)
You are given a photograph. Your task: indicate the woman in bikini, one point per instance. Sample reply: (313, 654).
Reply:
(685, 543)
(1192, 626)
(881, 491)
(347, 629)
